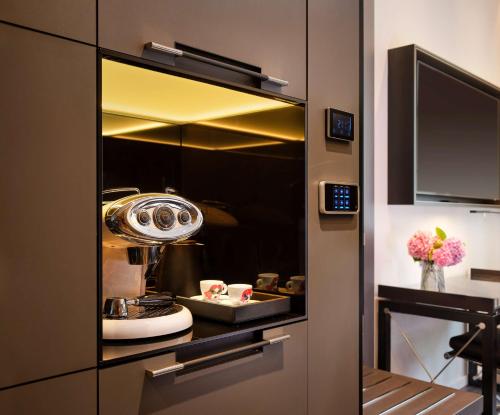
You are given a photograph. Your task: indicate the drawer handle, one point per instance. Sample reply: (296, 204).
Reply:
(157, 47)
(152, 373)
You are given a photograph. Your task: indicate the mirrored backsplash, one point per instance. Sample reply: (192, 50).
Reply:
(246, 172)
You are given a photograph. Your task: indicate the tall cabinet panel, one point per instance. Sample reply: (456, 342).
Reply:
(74, 394)
(270, 34)
(48, 209)
(75, 19)
(333, 243)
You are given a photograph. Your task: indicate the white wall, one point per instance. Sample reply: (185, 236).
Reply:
(466, 33)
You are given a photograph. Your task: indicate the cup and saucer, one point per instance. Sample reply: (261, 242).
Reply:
(214, 291)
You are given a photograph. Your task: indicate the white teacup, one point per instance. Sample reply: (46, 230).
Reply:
(212, 289)
(239, 293)
(296, 284)
(268, 281)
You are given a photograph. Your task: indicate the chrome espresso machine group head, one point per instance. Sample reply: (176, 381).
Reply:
(142, 224)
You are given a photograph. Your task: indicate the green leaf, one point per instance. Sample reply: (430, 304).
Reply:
(440, 233)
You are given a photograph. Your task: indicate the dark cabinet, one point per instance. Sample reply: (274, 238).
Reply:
(272, 382)
(75, 19)
(443, 130)
(268, 34)
(48, 211)
(74, 394)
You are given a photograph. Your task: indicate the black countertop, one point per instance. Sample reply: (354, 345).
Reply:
(202, 331)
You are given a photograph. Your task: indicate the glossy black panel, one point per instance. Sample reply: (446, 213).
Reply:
(458, 138)
(150, 167)
(247, 175)
(262, 189)
(252, 198)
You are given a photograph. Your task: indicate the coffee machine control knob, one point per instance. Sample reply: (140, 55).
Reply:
(184, 217)
(143, 217)
(164, 217)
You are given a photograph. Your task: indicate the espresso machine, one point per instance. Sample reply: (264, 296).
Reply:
(135, 232)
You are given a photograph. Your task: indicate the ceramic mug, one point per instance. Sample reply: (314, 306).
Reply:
(296, 284)
(239, 293)
(212, 289)
(268, 281)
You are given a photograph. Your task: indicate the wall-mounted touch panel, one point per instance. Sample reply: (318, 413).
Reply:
(339, 125)
(338, 198)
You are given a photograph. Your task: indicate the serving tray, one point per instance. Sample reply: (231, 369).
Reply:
(261, 305)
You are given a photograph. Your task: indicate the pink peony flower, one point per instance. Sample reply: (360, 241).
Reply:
(442, 257)
(451, 253)
(420, 245)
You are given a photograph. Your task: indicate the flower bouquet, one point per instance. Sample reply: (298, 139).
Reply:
(435, 252)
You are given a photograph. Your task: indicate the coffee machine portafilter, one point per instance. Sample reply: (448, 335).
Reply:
(138, 227)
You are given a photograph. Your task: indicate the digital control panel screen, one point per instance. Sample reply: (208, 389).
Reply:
(339, 125)
(338, 198)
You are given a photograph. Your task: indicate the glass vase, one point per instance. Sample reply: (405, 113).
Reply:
(432, 277)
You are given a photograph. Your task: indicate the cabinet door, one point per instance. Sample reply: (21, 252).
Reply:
(75, 19)
(333, 242)
(272, 383)
(270, 34)
(48, 206)
(72, 394)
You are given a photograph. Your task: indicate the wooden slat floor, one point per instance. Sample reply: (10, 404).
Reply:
(387, 393)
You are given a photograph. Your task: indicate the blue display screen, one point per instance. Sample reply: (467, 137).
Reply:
(341, 198)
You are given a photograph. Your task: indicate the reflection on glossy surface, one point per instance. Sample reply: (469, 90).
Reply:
(114, 125)
(283, 123)
(260, 129)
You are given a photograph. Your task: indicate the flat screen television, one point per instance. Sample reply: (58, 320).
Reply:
(458, 138)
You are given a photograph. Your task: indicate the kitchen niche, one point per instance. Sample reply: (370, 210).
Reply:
(237, 154)
(240, 158)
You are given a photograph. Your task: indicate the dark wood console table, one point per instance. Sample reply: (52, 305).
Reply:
(465, 301)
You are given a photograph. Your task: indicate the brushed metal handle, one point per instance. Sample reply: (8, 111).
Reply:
(153, 373)
(279, 339)
(157, 47)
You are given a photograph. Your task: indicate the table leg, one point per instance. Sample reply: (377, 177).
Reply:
(471, 373)
(489, 366)
(384, 337)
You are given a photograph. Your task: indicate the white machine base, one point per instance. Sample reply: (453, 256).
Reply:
(146, 327)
